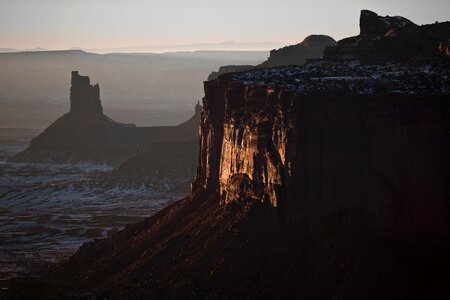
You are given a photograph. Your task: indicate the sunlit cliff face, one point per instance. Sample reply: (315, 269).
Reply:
(254, 150)
(298, 136)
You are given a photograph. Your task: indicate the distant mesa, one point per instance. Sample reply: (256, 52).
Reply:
(312, 47)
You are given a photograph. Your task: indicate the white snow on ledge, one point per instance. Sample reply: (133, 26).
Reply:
(352, 76)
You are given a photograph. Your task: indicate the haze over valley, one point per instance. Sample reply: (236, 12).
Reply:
(147, 89)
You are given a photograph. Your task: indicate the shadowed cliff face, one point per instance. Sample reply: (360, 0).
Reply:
(381, 155)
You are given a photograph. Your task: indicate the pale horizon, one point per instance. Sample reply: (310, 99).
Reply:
(61, 25)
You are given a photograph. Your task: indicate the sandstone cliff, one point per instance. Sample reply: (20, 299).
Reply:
(323, 181)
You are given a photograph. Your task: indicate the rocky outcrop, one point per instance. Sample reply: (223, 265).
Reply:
(312, 47)
(86, 134)
(321, 181)
(164, 156)
(84, 98)
(383, 38)
(372, 24)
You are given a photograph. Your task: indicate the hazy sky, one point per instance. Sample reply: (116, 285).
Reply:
(62, 24)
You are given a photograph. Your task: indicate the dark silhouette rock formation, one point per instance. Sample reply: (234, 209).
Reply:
(372, 24)
(84, 98)
(390, 38)
(323, 181)
(85, 134)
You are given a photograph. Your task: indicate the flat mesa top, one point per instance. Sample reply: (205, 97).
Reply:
(354, 76)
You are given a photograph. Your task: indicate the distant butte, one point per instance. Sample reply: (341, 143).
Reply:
(84, 98)
(85, 134)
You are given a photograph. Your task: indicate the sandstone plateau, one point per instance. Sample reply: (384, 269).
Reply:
(322, 181)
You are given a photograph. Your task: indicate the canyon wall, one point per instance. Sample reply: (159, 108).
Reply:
(384, 156)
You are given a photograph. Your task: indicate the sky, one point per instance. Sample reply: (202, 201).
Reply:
(63, 24)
